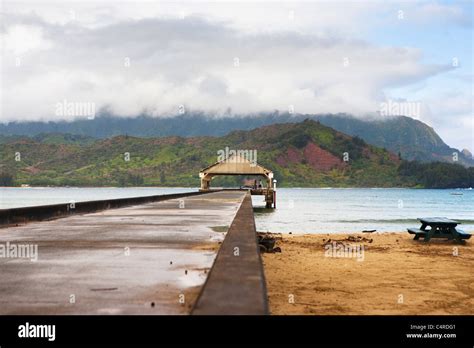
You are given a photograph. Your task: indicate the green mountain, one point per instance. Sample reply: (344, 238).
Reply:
(51, 138)
(305, 154)
(413, 139)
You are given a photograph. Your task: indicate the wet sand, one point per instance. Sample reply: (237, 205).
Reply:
(394, 275)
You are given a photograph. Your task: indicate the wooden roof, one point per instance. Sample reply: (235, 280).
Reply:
(236, 165)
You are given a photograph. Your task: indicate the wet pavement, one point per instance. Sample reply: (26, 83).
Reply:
(146, 259)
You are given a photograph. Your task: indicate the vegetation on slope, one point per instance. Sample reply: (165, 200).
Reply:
(305, 154)
(413, 139)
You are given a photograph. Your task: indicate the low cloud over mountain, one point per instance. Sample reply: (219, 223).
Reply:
(162, 60)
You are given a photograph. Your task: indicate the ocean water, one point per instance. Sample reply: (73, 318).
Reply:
(354, 210)
(301, 210)
(15, 197)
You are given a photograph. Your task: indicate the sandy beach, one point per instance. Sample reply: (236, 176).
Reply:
(372, 273)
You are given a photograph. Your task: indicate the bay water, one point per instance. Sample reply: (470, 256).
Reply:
(299, 210)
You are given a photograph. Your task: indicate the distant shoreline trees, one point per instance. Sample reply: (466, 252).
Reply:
(6, 178)
(437, 174)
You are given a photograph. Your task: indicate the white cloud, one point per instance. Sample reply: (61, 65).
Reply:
(183, 54)
(452, 113)
(190, 61)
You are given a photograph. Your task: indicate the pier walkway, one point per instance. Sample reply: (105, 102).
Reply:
(150, 258)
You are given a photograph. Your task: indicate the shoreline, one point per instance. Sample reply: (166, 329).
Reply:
(380, 273)
(280, 187)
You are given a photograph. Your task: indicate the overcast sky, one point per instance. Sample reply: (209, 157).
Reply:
(241, 57)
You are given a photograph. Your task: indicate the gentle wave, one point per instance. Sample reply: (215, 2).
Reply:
(396, 221)
(393, 221)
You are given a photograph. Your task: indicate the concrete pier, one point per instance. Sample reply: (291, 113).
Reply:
(151, 258)
(236, 283)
